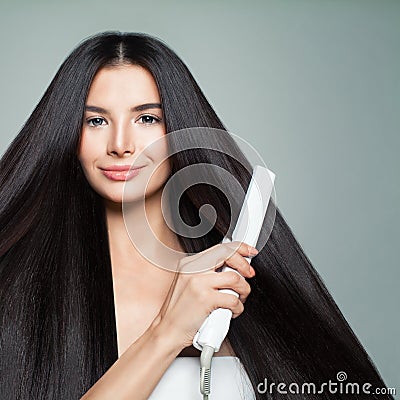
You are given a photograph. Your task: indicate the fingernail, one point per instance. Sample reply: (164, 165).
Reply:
(253, 250)
(252, 271)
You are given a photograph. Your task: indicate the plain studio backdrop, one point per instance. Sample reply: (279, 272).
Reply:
(313, 85)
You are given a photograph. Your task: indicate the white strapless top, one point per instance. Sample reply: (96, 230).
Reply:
(181, 381)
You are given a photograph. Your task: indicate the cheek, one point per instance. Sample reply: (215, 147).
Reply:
(89, 152)
(157, 150)
(159, 168)
(159, 154)
(162, 170)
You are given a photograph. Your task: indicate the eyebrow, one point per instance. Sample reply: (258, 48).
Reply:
(141, 107)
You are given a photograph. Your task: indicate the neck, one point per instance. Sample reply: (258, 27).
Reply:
(143, 222)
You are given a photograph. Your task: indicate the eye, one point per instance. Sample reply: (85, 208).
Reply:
(96, 121)
(148, 118)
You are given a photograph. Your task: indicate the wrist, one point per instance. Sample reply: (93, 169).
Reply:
(162, 334)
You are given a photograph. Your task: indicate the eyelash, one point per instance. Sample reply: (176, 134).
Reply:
(90, 120)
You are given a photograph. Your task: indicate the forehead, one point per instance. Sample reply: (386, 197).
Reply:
(123, 83)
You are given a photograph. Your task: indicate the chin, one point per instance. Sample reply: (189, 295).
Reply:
(133, 193)
(111, 198)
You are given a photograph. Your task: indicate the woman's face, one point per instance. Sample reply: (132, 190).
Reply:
(123, 116)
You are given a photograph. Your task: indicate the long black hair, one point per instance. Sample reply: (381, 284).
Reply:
(58, 328)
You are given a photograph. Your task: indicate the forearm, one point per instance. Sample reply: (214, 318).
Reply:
(136, 373)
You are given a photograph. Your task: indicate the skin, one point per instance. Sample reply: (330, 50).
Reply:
(145, 321)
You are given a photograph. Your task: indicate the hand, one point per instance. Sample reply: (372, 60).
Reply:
(195, 295)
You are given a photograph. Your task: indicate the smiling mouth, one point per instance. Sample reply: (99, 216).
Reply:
(123, 175)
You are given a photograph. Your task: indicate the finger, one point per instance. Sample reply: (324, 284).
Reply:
(240, 264)
(230, 301)
(245, 293)
(222, 251)
(213, 257)
(232, 280)
(216, 256)
(242, 248)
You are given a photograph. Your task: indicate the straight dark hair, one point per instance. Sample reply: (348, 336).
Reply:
(58, 327)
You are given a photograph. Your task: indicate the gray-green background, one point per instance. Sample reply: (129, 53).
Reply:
(313, 85)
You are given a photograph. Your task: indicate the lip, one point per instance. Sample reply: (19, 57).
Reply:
(121, 172)
(120, 168)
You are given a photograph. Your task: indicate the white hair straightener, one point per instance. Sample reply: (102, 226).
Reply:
(214, 329)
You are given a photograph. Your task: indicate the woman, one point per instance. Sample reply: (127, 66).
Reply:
(81, 310)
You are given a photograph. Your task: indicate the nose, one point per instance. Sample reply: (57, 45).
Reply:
(122, 142)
